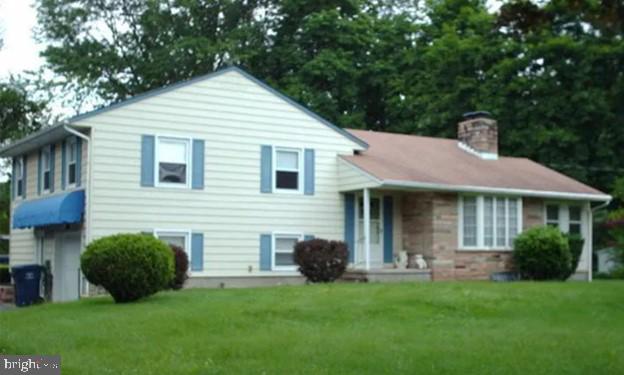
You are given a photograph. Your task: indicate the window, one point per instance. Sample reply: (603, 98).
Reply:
(46, 165)
(470, 221)
(71, 159)
(568, 218)
(552, 215)
(574, 225)
(287, 167)
(173, 155)
(488, 222)
(19, 176)
(174, 237)
(283, 250)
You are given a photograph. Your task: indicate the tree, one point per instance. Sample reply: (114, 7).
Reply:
(19, 115)
(551, 72)
(121, 48)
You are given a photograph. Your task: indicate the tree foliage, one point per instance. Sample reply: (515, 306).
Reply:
(551, 72)
(19, 114)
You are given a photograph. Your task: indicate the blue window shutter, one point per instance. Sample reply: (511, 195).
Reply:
(197, 252)
(147, 160)
(198, 164)
(79, 161)
(52, 167)
(265, 252)
(14, 180)
(24, 181)
(266, 169)
(39, 170)
(349, 224)
(309, 173)
(308, 237)
(63, 166)
(388, 216)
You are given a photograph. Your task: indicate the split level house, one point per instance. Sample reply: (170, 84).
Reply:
(236, 173)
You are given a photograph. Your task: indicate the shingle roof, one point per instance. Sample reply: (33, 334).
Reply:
(440, 161)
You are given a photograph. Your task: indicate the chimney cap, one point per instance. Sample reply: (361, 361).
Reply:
(477, 114)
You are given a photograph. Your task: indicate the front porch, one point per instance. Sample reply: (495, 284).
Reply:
(379, 242)
(409, 235)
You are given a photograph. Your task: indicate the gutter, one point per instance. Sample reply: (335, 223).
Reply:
(484, 189)
(591, 237)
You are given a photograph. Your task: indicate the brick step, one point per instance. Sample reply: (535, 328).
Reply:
(6, 293)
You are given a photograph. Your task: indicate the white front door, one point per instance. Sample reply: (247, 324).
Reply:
(376, 233)
(66, 282)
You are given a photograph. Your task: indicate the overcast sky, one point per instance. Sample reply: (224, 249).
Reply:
(20, 51)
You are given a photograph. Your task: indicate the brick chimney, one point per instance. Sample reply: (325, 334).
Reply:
(479, 132)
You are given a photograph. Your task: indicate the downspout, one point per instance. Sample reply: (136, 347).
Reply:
(591, 237)
(88, 182)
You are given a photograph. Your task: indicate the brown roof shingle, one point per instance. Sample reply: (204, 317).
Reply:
(440, 161)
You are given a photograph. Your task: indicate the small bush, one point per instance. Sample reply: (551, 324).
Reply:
(128, 266)
(575, 243)
(181, 267)
(617, 273)
(542, 253)
(5, 275)
(321, 261)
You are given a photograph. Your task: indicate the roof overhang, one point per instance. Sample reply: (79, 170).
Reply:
(36, 140)
(413, 185)
(66, 208)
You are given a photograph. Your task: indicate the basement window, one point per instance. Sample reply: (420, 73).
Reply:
(284, 249)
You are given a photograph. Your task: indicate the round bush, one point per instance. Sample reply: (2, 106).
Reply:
(181, 267)
(542, 253)
(128, 266)
(321, 260)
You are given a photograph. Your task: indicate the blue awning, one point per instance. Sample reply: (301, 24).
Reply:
(64, 208)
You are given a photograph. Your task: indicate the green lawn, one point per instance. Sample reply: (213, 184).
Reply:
(476, 328)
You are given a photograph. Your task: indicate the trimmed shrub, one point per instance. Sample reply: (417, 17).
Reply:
(575, 243)
(181, 267)
(5, 275)
(128, 266)
(321, 261)
(542, 253)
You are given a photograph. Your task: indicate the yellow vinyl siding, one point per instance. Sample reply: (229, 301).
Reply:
(234, 116)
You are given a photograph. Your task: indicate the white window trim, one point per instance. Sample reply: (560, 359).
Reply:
(45, 169)
(299, 152)
(274, 236)
(189, 153)
(68, 162)
(177, 232)
(563, 221)
(21, 179)
(481, 223)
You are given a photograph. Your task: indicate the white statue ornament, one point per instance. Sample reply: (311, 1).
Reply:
(420, 262)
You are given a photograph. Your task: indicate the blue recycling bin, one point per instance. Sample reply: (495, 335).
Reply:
(27, 281)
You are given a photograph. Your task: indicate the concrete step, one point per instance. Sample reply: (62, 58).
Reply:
(354, 276)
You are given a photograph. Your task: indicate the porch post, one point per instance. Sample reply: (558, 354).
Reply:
(367, 227)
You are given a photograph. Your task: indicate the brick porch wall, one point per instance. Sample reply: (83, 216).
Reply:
(430, 228)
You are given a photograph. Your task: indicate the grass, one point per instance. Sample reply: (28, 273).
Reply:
(437, 328)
